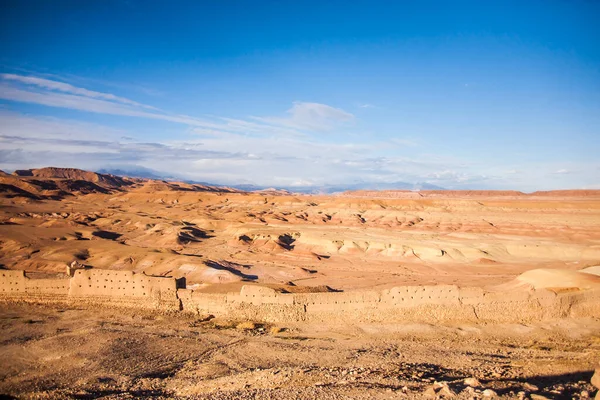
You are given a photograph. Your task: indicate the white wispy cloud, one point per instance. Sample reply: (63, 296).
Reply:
(29, 141)
(90, 104)
(562, 171)
(285, 149)
(301, 117)
(310, 116)
(68, 88)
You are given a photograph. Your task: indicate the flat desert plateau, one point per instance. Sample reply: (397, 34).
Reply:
(294, 296)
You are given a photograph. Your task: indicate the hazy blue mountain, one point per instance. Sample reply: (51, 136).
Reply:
(133, 172)
(142, 172)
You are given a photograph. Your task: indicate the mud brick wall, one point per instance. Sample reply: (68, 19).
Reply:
(123, 288)
(397, 305)
(116, 288)
(12, 282)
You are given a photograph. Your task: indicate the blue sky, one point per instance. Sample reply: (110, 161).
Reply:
(469, 95)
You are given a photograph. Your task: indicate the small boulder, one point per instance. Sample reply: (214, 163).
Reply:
(439, 390)
(430, 393)
(596, 379)
(472, 382)
(530, 387)
(538, 397)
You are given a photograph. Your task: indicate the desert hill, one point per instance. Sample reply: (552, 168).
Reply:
(74, 175)
(53, 183)
(216, 236)
(58, 183)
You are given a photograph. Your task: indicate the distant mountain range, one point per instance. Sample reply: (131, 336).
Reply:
(140, 172)
(136, 172)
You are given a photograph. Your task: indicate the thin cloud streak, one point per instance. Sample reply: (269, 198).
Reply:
(68, 88)
(302, 116)
(27, 142)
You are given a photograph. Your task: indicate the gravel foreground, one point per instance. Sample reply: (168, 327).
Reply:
(78, 353)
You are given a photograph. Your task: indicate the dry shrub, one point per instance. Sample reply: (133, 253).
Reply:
(220, 324)
(246, 326)
(276, 329)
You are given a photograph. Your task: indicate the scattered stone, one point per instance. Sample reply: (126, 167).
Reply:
(202, 318)
(472, 382)
(538, 397)
(469, 390)
(530, 388)
(489, 393)
(447, 392)
(440, 389)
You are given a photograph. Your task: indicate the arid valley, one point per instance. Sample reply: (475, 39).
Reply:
(299, 200)
(357, 249)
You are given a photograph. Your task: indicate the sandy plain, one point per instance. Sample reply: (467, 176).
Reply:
(220, 239)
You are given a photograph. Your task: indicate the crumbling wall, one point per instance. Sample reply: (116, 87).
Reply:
(52, 287)
(15, 285)
(12, 283)
(209, 303)
(579, 304)
(123, 288)
(411, 296)
(399, 304)
(117, 288)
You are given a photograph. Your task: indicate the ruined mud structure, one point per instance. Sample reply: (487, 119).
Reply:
(405, 303)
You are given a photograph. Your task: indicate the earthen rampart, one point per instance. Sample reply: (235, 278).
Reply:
(93, 286)
(15, 285)
(124, 288)
(253, 302)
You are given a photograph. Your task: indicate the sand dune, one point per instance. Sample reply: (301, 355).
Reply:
(594, 270)
(554, 279)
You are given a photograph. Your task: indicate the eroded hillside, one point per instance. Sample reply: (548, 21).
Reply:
(210, 235)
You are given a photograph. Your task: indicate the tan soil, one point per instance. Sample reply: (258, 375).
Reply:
(91, 353)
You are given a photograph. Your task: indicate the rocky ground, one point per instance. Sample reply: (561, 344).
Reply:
(71, 352)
